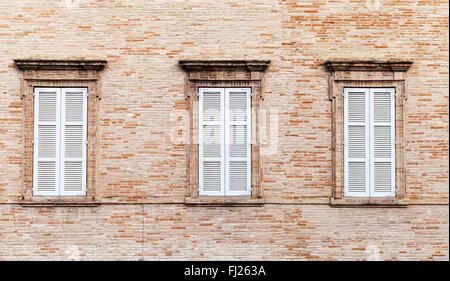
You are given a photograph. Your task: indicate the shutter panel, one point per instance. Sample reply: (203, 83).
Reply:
(46, 144)
(237, 140)
(73, 145)
(211, 146)
(382, 143)
(356, 142)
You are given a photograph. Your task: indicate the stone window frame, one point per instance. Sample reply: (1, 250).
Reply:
(223, 74)
(367, 74)
(60, 74)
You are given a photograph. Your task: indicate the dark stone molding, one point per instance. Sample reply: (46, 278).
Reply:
(250, 65)
(38, 64)
(371, 65)
(215, 69)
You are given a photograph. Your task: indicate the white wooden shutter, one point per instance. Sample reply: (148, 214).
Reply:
(74, 141)
(382, 150)
(211, 146)
(237, 141)
(46, 144)
(356, 142)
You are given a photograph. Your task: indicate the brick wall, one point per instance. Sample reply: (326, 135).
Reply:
(139, 163)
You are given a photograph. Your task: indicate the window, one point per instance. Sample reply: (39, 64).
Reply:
(368, 104)
(48, 89)
(226, 127)
(60, 116)
(224, 141)
(369, 142)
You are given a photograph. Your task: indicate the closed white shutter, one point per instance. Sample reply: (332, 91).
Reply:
(356, 142)
(382, 142)
(211, 146)
(74, 142)
(60, 142)
(237, 140)
(46, 144)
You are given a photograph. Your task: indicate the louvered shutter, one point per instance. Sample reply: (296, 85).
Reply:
(237, 140)
(211, 146)
(46, 144)
(382, 142)
(73, 144)
(356, 142)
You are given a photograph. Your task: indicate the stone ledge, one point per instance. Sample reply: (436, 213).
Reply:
(37, 64)
(369, 202)
(224, 201)
(59, 202)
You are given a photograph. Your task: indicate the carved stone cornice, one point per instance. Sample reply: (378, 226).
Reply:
(251, 65)
(224, 69)
(40, 64)
(370, 65)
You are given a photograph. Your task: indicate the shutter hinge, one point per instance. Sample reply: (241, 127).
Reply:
(32, 142)
(34, 94)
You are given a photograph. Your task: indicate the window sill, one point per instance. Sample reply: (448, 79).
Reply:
(369, 202)
(224, 201)
(59, 202)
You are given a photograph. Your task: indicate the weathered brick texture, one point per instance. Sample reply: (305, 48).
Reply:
(138, 162)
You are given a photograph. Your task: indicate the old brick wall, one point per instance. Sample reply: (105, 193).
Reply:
(139, 163)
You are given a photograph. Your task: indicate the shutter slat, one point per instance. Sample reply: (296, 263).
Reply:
(46, 141)
(238, 141)
(211, 106)
(356, 106)
(47, 106)
(211, 140)
(238, 176)
(74, 106)
(46, 177)
(73, 145)
(382, 174)
(211, 176)
(381, 106)
(73, 176)
(356, 177)
(356, 141)
(382, 141)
